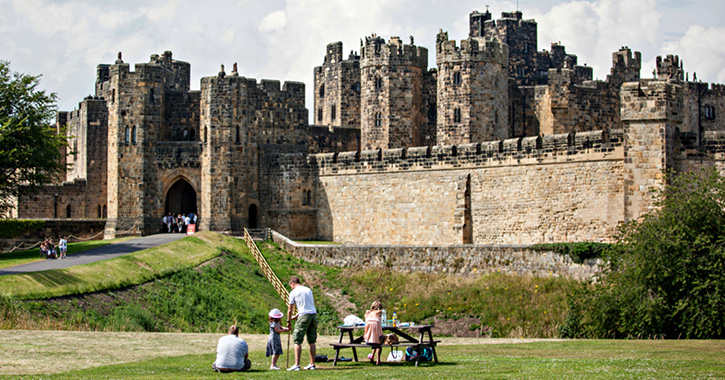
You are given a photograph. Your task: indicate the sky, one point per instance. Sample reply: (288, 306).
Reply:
(285, 39)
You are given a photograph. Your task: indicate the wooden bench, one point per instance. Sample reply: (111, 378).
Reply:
(407, 341)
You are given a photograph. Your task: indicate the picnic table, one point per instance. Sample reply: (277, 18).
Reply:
(425, 339)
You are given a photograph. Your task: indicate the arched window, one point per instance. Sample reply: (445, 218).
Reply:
(333, 113)
(322, 91)
(191, 135)
(236, 135)
(128, 135)
(151, 96)
(378, 119)
(99, 211)
(104, 211)
(319, 114)
(67, 212)
(457, 115)
(133, 135)
(457, 77)
(185, 134)
(378, 83)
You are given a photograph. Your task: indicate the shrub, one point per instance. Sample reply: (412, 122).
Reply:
(667, 272)
(579, 252)
(10, 228)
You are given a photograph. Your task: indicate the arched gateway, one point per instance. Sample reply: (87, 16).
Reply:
(180, 199)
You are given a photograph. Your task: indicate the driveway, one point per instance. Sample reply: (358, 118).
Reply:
(95, 254)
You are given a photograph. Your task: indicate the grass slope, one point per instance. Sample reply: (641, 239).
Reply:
(603, 359)
(132, 269)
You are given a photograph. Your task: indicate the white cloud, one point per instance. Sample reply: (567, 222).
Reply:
(273, 22)
(702, 51)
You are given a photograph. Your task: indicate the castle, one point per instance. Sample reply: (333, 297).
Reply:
(501, 143)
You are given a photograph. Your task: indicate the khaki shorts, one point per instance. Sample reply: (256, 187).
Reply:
(306, 325)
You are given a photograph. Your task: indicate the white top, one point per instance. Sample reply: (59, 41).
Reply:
(302, 297)
(230, 352)
(62, 243)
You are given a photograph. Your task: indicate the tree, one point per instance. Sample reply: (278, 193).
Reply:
(667, 274)
(30, 148)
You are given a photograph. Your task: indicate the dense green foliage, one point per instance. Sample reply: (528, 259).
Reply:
(30, 149)
(667, 274)
(579, 252)
(10, 228)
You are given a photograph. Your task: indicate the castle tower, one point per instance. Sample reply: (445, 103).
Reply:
(625, 67)
(135, 102)
(670, 68)
(337, 89)
(392, 99)
(473, 96)
(651, 114)
(519, 34)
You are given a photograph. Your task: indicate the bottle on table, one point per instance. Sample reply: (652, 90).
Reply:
(395, 319)
(384, 318)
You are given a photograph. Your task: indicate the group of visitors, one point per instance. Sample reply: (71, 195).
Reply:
(233, 352)
(50, 251)
(178, 223)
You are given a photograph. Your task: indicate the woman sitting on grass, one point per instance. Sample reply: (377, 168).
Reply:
(374, 329)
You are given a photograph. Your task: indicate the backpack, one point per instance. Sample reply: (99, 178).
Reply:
(411, 354)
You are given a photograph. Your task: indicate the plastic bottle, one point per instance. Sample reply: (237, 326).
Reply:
(384, 318)
(395, 319)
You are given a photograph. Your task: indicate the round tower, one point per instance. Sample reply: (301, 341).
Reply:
(392, 104)
(473, 96)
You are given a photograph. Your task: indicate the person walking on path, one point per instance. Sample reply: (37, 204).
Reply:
(306, 321)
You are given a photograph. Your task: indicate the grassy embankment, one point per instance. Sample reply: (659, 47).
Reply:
(32, 255)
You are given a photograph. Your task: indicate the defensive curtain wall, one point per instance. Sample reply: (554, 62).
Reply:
(554, 188)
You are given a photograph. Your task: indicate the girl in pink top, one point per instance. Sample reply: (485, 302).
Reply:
(374, 328)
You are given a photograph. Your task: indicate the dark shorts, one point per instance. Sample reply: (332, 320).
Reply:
(247, 366)
(306, 325)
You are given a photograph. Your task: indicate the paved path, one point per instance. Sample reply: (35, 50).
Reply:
(95, 254)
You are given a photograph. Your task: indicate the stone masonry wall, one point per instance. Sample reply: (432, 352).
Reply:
(464, 260)
(521, 191)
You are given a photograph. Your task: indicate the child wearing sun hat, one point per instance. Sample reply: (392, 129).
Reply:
(274, 342)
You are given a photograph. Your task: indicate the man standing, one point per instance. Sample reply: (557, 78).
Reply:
(301, 296)
(232, 353)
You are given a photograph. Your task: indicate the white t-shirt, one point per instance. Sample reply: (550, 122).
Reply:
(230, 352)
(302, 297)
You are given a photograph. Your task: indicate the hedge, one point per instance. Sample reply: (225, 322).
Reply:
(10, 228)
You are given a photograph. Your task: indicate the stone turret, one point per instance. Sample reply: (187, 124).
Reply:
(392, 99)
(472, 90)
(625, 67)
(337, 89)
(670, 68)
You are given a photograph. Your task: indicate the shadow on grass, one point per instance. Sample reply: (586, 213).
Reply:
(54, 278)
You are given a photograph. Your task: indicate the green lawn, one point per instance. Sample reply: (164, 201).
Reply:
(32, 255)
(132, 269)
(595, 359)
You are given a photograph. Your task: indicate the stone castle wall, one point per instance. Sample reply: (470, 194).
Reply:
(465, 260)
(517, 191)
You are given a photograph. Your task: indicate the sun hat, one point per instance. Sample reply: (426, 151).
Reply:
(275, 313)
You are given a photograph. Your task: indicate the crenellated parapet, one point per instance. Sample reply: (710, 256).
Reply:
(470, 50)
(375, 52)
(534, 150)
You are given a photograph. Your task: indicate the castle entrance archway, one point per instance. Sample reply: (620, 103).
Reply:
(180, 199)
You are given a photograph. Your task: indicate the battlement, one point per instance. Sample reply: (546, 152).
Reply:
(515, 151)
(377, 52)
(652, 99)
(669, 68)
(472, 49)
(290, 91)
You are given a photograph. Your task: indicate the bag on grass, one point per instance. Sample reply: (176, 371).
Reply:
(395, 356)
(411, 354)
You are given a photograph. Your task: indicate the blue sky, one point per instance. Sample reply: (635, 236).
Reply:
(284, 40)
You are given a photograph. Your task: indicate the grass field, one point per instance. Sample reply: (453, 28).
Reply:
(31, 255)
(92, 355)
